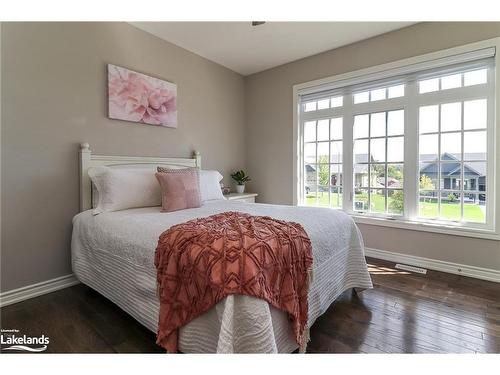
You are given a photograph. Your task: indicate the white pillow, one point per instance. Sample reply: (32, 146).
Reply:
(120, 189)
(210, 185)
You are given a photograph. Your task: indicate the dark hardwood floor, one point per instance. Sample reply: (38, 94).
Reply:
(404, 313)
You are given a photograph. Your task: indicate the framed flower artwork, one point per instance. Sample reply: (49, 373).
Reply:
(136, 97)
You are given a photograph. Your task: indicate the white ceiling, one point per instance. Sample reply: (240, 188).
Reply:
(246, 49)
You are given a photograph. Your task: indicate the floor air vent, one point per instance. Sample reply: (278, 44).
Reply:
(405, 267)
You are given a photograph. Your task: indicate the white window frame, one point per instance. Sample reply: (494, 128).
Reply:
(376, 107)
(431, 60)
(330, 163)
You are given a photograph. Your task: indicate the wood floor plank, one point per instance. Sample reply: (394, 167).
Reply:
(430, 333)
(404, 313)
(432, 308)
(402, 335)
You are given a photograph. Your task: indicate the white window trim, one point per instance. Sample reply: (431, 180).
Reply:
(434, 59)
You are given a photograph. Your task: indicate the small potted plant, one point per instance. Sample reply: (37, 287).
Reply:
(241, 178)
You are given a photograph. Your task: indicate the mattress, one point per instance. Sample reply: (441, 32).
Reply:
(113, 253)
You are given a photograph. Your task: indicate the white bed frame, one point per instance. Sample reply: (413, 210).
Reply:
(88, 160)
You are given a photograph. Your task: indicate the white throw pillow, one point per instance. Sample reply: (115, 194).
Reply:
(124, 188)
(210, 185)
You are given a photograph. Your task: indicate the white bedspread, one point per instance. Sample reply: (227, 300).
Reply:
(113, 253)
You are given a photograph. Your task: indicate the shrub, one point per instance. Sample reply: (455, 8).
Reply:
(397, 202)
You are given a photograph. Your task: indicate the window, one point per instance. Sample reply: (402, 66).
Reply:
(379, 94)
(379, 162)
(415, 146)
(453, 160)
(323, 162)
(323, 104)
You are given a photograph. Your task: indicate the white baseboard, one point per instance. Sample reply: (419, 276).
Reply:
(17, 295)
(437, 265)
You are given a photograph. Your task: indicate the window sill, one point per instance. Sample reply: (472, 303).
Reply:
(426, 227)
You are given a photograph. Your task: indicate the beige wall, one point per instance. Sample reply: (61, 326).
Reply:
(269, 129)
(54, 97)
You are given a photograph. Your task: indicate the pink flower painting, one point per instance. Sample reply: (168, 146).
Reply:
(137, 97)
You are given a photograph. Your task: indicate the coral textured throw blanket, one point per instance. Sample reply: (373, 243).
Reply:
(202, 261)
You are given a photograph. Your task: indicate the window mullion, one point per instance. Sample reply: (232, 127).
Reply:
(386, 164)
(316, 180)
(369, 160)
(439, 165)
(330, 162)
(347, 162)
(301, 158)
(462, 157)
(492, 175)
(411, 158)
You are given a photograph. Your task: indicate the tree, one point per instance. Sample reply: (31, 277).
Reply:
(397, 202)
(377, 170)
(395, 172)
(426, 183)
(323, 171)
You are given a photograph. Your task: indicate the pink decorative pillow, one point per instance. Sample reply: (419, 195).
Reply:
(180, 188)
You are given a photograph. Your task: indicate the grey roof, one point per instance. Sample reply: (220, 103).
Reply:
(451, 169)
(310, 168)
(448, 156)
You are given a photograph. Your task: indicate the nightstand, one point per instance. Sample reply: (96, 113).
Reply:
(243, 197)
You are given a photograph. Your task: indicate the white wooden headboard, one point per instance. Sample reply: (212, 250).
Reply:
(88, 160)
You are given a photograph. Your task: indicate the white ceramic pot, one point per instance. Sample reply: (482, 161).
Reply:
(240, 189)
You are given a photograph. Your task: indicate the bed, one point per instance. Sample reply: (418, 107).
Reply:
(113, 253)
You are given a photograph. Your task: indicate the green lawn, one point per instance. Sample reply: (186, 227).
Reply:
(323, 199)
(450, 211)
(377, 200)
